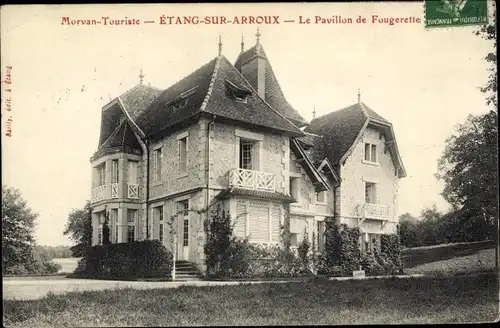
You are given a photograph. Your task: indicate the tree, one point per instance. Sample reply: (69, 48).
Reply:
(18, 225)
(489, 32)
(469, 168)
(79, 229)
(407, 229)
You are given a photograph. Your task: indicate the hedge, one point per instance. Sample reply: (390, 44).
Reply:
(134, 260)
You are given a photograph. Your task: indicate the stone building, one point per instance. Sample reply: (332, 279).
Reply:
(225, 134)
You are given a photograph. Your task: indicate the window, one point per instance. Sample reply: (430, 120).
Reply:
(246, 154)
(131, 220)
(186, 233)
(183, 155)
(157, 164)
(114, 219)
(370, 153)
(294, 239)
(294, 188)
(370, 193)
(115, 177)
(372, 243)
(101, 175)
(132, 172)
(183, 207)
(158, 215)
(99, 235)
(241, 98)
(321, 197)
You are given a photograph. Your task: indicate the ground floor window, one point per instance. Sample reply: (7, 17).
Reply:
(160, 234)
(294, 239)
(130, 234)
(131, 222)
(371, 243)
(186, 233)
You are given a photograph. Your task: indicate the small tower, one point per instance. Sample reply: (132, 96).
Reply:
(314, 113)
(242, 44)
(359, 96)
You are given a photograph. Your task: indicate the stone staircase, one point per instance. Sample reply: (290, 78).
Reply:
(187, 271)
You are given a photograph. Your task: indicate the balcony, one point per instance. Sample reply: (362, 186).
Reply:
(114, 191)
(375, 211)
(250, 179)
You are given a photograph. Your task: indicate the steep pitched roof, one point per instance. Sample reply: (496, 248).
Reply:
(205, 90)
(273, 93)
(139, 98)
(339, 130)
(123, 139)
(161, 114)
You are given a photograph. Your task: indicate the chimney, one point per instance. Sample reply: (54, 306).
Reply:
(254, 68)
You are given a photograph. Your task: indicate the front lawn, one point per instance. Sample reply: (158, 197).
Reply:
(481, 261)
(415, 300)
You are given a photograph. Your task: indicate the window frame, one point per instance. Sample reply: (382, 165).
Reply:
(372, 152)
(323, 200)
(370, 192)
(251, 152)
(115, 171)
(183, 155)
(157, 159)
(131, 224)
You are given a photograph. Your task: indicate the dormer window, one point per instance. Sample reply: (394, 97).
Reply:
(237, 93)
(182, 100)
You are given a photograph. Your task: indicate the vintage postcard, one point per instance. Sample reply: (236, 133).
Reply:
(249, 164)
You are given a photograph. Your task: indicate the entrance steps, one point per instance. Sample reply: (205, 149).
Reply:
(187, 271)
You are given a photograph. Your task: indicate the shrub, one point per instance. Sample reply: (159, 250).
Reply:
(139, 259)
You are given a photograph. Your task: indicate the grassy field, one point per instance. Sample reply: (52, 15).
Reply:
(384, 301)
(67, 264)
(415, 256)
(481, 261)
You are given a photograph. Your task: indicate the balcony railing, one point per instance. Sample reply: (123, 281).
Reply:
(115, 190)
(132, 190)
(250, 179)
(376, 211)
(98, 193)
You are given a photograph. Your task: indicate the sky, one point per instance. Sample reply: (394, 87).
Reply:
(425, 81)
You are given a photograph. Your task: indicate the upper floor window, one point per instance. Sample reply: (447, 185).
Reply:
(157, 164)
(294, 187)
(183, 155)
(101, 175)
(247, 154)
(114, 171)
(370, 153)
(321, 197)
(132, 172)
(370, 193)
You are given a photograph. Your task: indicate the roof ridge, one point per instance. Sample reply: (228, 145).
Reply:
(112, 135)
(127, 114)
(364, 109)
(313, 134)
(332, 112)
(211, 84)
(258, 95)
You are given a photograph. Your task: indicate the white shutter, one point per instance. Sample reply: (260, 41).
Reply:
(240, 219)
(259, 221)
(276, 229)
